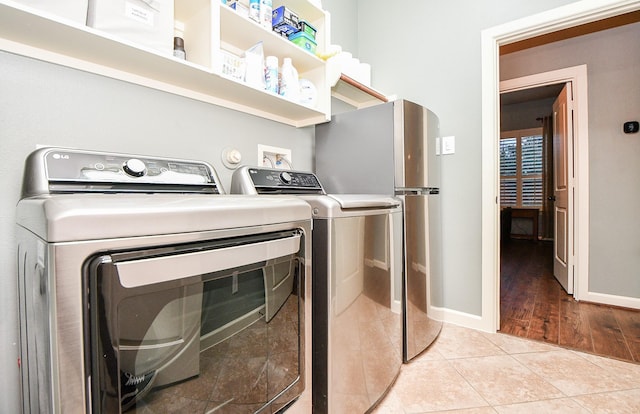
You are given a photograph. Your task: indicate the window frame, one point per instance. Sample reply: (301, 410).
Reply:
(519, 177)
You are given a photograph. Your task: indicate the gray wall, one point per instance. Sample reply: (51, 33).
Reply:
(344, 24)
(613, 67)
(41, 103)
(429, 52)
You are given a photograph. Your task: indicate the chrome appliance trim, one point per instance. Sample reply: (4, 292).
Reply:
(166, 268)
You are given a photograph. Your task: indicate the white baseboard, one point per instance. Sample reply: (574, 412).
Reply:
(463, 319)
(396, 306)
(476, 322)
(376, 263)
(614, 300)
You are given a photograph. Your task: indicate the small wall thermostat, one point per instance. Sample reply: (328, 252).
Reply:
(630, 127)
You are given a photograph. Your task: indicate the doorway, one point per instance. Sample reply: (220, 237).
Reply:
(534, 302)
(562, 100)
(569, 16)
(526, 162)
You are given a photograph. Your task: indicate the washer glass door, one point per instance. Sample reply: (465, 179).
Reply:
(197, 328)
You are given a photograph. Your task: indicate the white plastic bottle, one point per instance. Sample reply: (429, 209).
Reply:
(308, 93)
(254, 10)
(271, 74)
(266, 16)
(289, 85)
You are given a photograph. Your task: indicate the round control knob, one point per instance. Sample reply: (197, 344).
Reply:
(285, 177)
(234, 157)
(134, 167)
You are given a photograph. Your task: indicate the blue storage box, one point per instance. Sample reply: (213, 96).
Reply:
(284, 21)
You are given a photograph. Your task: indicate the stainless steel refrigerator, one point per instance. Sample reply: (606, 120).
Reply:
(393, 148)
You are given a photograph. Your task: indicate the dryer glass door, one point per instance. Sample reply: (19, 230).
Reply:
(198, 328)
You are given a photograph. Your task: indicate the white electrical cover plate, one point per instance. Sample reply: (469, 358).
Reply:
(274, 157)
(448, 145)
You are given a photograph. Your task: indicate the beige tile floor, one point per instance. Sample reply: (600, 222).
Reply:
(471, 372)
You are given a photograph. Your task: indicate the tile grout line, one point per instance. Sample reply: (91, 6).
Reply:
(470, 385)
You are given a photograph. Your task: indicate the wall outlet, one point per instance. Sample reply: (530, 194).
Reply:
(274, 157)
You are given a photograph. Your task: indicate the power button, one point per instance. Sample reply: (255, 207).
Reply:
(285, 177)
(134, 167)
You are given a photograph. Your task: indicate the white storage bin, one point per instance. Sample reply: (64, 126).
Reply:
(146, 22)
(75, 10)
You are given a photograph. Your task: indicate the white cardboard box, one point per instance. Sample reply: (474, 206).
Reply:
(146, 22)
(75, 10)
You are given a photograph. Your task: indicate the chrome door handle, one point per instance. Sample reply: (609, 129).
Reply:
(153, 270)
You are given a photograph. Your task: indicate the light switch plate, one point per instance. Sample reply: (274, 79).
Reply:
(448, 145)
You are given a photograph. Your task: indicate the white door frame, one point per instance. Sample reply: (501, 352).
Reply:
(571, 15)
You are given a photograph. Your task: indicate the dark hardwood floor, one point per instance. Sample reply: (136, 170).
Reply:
(534, 305)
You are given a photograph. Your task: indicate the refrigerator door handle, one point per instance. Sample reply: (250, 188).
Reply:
(417, 191)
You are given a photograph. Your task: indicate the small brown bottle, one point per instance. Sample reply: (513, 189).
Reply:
(178, 48)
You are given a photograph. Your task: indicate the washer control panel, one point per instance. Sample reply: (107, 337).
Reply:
(269, 181)
(72, 170)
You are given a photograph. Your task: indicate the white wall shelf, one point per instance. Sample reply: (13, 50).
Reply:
(40, 35)
(355, 93)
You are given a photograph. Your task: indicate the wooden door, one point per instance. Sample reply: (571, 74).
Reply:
(563, 172)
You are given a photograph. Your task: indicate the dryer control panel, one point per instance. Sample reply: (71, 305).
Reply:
(253, 180)
(64, 170)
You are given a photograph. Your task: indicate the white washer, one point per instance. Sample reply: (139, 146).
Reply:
(356, 287)
(139, 280)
